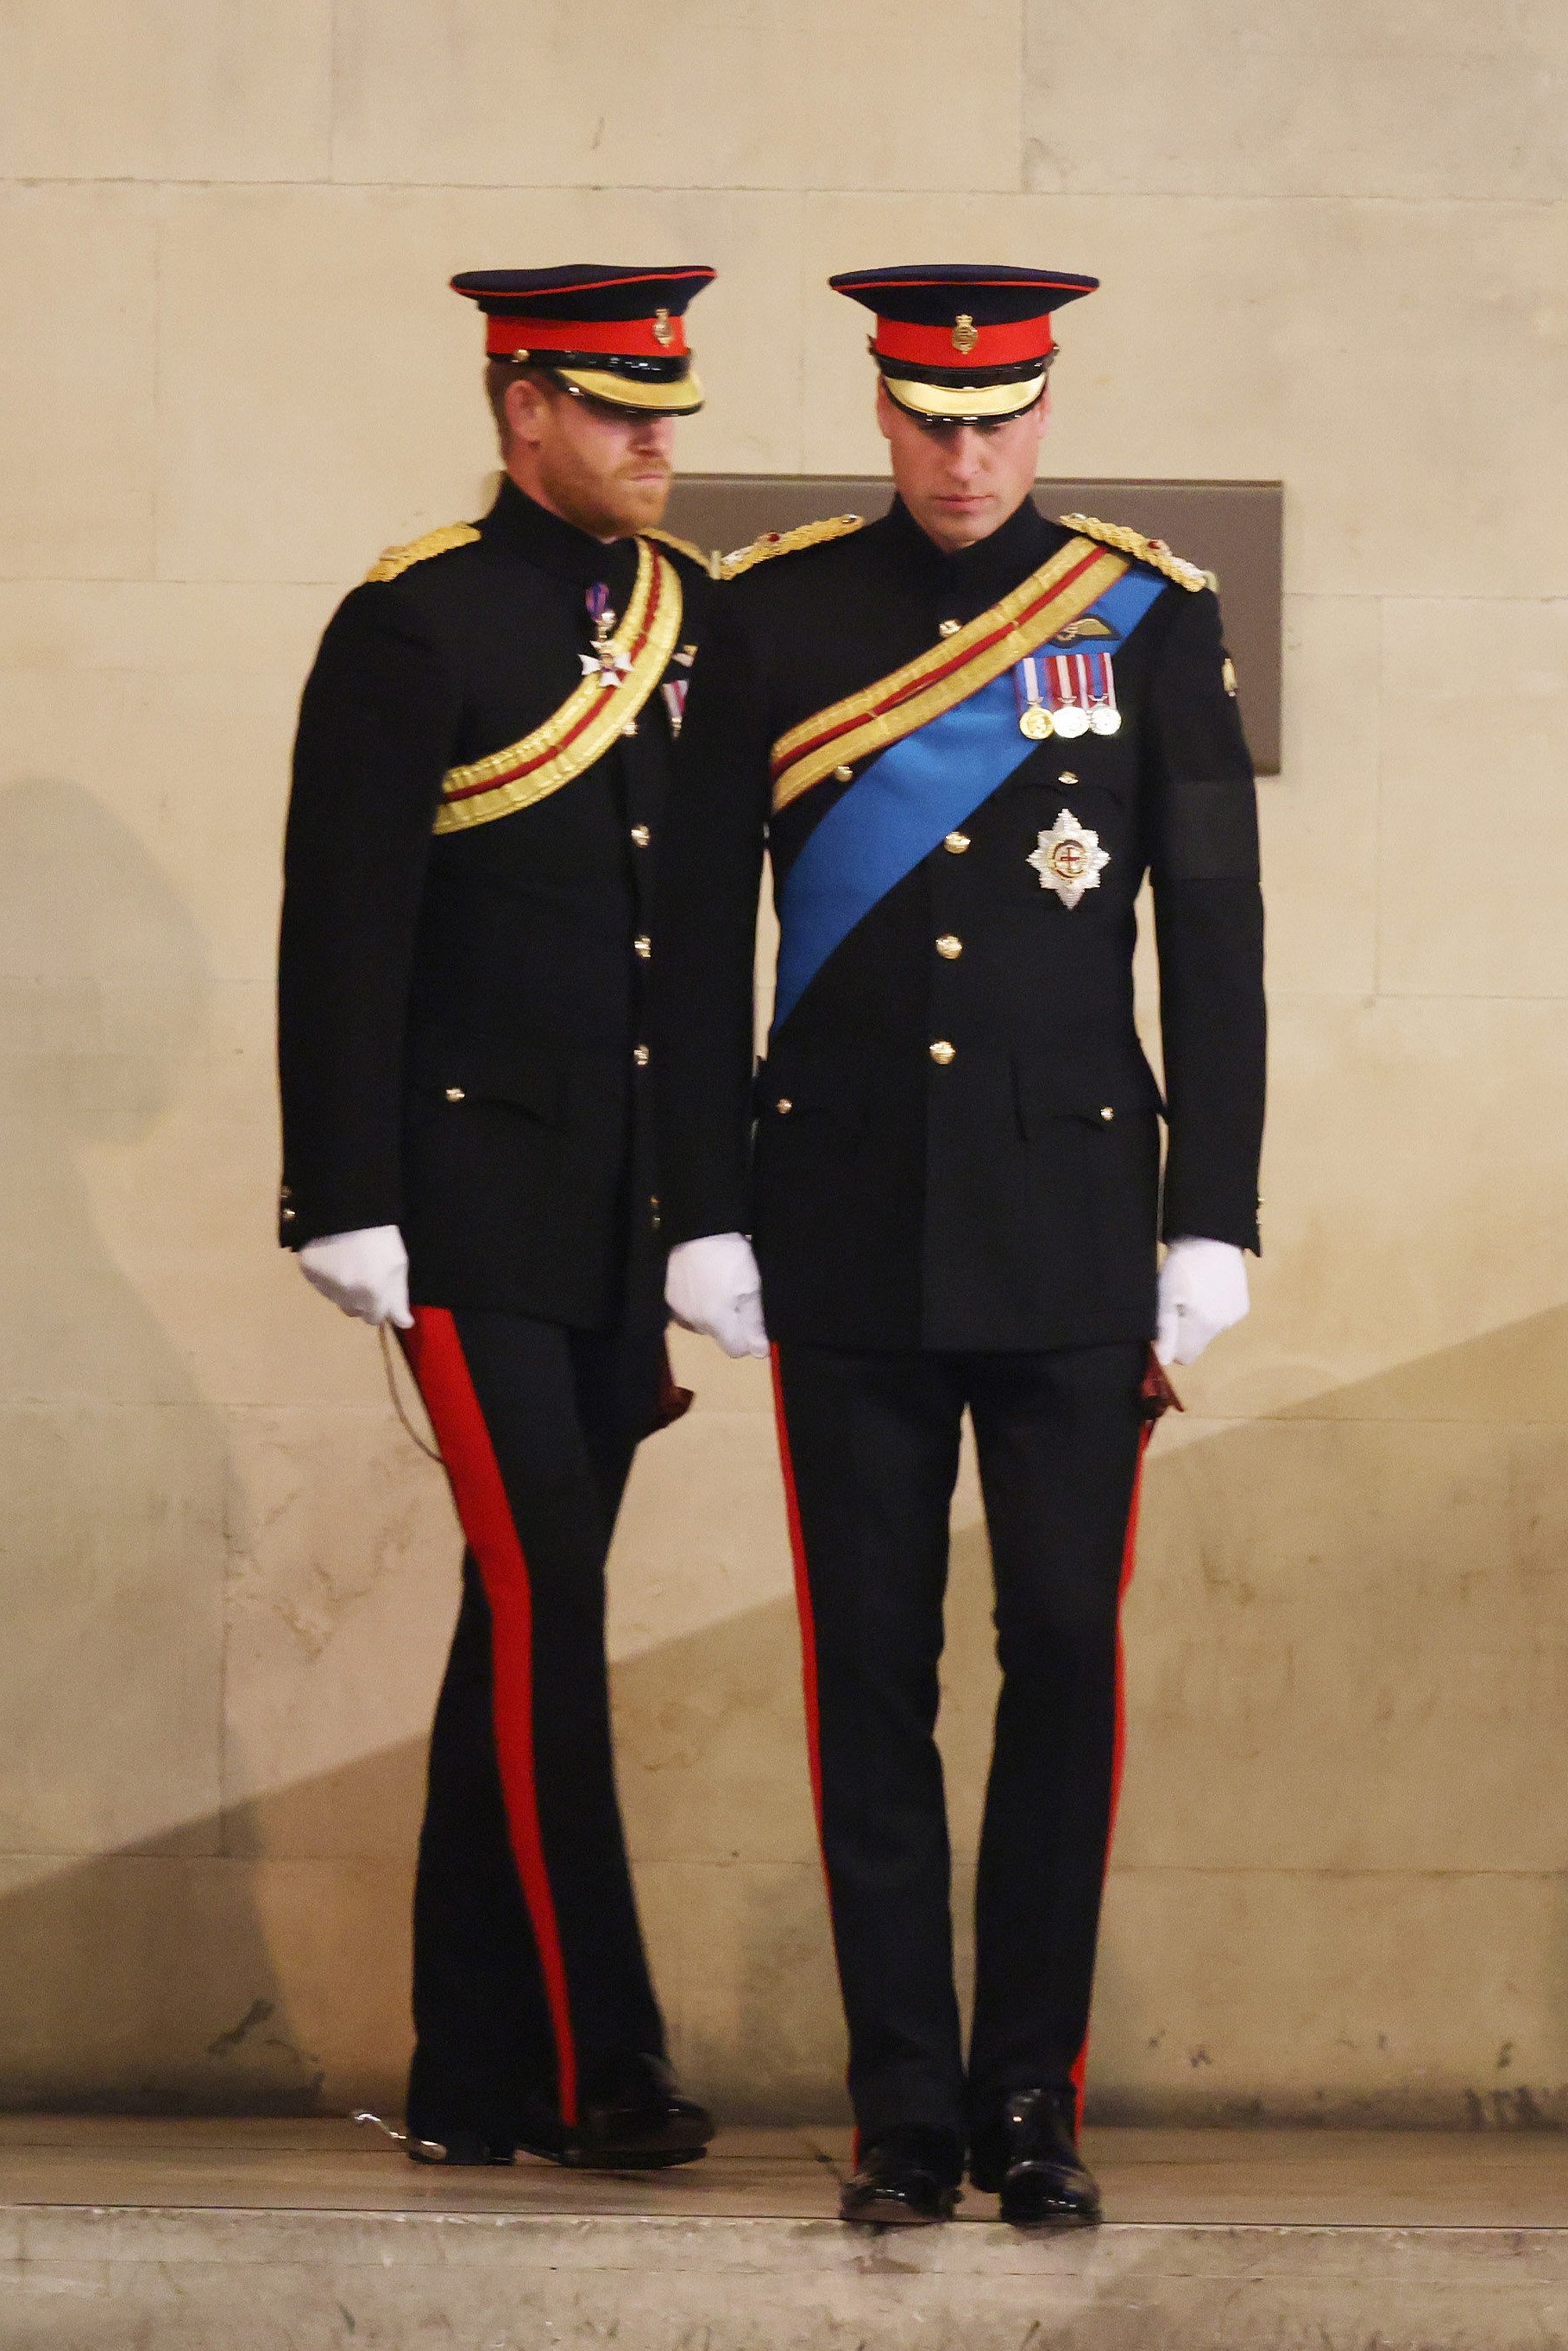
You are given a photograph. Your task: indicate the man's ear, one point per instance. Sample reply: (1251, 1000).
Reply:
(884, 410)
(524, 410)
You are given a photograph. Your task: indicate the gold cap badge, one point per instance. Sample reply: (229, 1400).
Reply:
(966, 334)
(664, 333)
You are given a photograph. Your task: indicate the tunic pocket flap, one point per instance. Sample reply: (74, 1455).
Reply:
(524, 1077)
(1046, 1094)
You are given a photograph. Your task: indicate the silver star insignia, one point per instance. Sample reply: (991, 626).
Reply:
(1069, 859)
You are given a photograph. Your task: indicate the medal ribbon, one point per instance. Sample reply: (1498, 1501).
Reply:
(1026, 684)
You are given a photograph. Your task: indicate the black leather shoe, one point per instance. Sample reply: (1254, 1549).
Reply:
(634, 2119)
(906, 2179)
(464, 2147)
(1030, 2160)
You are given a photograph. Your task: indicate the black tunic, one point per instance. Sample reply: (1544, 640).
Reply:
(460, 1015)
(1008, 1195)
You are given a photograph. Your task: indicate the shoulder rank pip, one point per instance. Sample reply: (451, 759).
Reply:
(1153, 551)
(395, 559)
(787, 542)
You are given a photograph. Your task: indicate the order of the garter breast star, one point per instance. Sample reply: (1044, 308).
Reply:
(1069, 859)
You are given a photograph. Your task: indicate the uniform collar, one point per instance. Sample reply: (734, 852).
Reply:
(521, 525)
(989, 568)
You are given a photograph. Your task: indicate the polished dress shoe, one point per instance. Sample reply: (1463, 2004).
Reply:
(1029, 2158)
(905, 2180)
(634, 2119)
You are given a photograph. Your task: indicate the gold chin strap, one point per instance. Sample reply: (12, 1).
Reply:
(949, 402)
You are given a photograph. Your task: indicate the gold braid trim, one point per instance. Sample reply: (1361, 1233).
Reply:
(394, 559)
(685, 546)
(898, 705)
(787, 542)
(1152, 552)
(588, 721)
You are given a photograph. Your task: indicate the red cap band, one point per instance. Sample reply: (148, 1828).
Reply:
(963, 345)
(659, 338)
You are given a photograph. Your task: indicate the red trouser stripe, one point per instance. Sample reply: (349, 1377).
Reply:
(435, 1355)
(1119, 1747)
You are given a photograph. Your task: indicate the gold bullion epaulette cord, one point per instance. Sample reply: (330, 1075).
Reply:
(683, 547)
(1153, 551)
(787, 542)
(394, 560)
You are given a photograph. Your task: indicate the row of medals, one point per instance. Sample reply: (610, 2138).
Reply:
(1069, 719)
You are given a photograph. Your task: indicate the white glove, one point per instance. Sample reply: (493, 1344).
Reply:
(364, 1273)
(1203, 1291)
(713, 1286)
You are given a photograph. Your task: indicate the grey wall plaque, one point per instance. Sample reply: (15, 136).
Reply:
(1231, 528)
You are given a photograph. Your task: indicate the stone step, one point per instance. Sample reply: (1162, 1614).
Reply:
(289, 2237)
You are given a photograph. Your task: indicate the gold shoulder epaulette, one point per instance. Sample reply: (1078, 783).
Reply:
(394, 560)
(1152, 552)
(682, 547)
(787, 542)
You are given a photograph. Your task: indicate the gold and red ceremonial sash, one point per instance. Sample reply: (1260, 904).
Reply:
(587, 721)
(898, 705)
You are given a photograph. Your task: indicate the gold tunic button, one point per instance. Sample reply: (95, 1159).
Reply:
(284, 1192)
(956, 843)
(784, 1106)
(287, 1216)
(640, 1055)
(630, 728)
(843, 775)
(949, 947)
(1107, 1113)
(949, 628)
(655, 1218)
(641, 835)
(455, 1093)
(1067, 777)
(644, 945)
(942, 1052)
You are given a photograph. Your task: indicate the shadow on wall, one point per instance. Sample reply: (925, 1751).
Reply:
(1340, 1889)
(114, 1475)
(1342, 1879)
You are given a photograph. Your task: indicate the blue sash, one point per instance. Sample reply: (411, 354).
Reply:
(905, 803)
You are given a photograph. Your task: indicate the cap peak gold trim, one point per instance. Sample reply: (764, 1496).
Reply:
(955, 402)
(681, 398)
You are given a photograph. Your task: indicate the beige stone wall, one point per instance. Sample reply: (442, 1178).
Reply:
(1334, 248)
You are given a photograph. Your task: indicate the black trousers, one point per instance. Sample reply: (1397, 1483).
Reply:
(529, 1977)
(871, 1452)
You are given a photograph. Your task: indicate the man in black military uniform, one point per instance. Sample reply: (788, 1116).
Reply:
(479, 789)
(963, 734)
